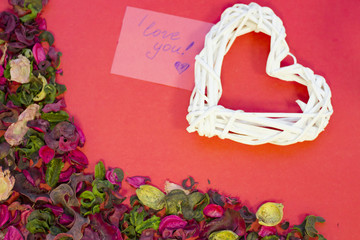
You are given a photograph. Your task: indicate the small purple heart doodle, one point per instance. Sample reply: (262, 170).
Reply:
(181, 67)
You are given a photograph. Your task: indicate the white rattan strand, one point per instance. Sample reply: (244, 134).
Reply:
(210, 119)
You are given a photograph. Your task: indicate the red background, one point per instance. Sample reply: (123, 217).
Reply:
(140, 126)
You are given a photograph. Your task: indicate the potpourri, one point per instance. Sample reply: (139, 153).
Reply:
(44, 192)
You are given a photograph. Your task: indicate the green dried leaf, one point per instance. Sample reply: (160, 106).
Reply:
(152, 222)
(272, 237)
(173, 201)
(252, 236)
(53, 171)
(37, 226)
(32, 15)
(119, 173)
(60, 89)
(100, 171)
(55, 117)
(307, 227)
(37, 4)
(87, 199)
(47, 36)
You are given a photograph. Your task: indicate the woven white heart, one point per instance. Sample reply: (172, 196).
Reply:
(210, 119)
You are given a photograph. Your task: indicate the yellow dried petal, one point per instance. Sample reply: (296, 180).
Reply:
(7, 183)
(270, 214)
(20, 69)
(223, 235)
(16, 131)
(151, 196)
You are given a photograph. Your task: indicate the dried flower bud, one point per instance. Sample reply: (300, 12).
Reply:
(151, 196)
(20, 69)
(6, 184)
(270, 214)
(223, 235)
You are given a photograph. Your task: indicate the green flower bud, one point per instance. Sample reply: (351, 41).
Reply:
(270, 214)
(223, 235)
(151, 196)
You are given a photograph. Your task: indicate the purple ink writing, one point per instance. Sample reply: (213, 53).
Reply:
(166, 40)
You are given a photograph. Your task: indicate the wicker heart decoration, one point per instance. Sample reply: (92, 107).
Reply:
(210, 119)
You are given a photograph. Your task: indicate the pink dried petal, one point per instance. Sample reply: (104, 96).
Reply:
(137, 181)
(267, 231)
(1, 70)
(39, 53)
(66, 219)
(79, 158)
(41, 22)
(81, 135)
(56, 210)
(68, 144)
(46, 153)
(65, 176)
(3, 80)
(171, 222)
(4, 215)
(213, 211)
(13, 234)
(29, 178)
(54, 107)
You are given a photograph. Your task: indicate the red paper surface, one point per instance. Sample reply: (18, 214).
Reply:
(159, 47)
(140, 126)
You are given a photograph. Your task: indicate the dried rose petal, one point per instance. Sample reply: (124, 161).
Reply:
(266, 231)
(13, 234)
(29, 178)
(65, 176)
(54, 107)
(81, 135)
(137, 181)
(56, 209)
(78, 158)
(171, 222)
(213, 211)
(66, 219)
(112, 177)
(46, 153)
(4, 215)
(39, 53)
(41, 22)
(39, 125)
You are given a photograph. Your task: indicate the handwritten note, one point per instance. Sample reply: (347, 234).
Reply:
(159, 48)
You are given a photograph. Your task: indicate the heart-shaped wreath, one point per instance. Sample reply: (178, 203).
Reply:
(210, 119)
(44, 192)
